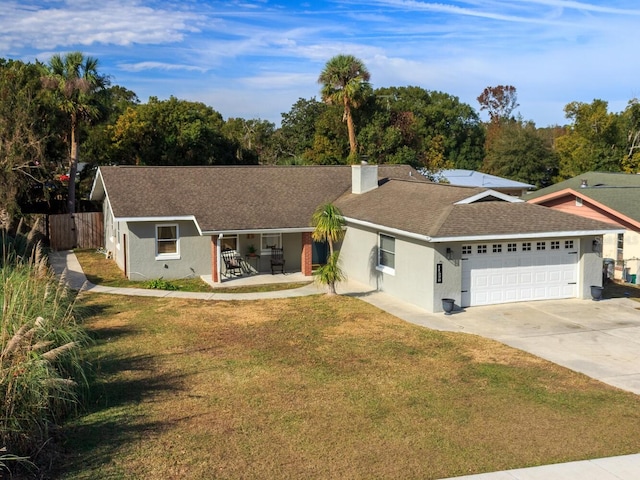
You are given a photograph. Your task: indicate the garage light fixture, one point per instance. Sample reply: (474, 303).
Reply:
(595, 246)
(449, 254)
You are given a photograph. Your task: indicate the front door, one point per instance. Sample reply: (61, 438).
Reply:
(320, 252)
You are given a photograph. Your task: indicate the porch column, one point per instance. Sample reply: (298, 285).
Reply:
(307, 245)
(214, 259)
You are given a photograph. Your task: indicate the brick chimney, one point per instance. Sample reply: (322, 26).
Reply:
(364, 178)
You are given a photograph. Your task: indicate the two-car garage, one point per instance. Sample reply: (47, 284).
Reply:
(505, 272)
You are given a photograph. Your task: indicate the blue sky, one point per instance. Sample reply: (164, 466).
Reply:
(255, 58)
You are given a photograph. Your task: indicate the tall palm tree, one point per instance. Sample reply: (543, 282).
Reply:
(329, 227)
(74, 81)
(344, 82)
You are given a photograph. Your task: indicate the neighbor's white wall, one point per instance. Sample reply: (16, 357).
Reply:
(631, 252)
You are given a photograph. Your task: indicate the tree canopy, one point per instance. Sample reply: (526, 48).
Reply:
(173, 132)
(74, 81)
(344, 82)
(53, 116)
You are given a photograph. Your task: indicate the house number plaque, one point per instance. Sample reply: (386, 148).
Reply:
(439, 273)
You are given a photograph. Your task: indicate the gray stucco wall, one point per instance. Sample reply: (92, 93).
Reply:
(590, 269)
(195, 253)
(116, 234)
(414, 276)
(415, 279)
(451, 274)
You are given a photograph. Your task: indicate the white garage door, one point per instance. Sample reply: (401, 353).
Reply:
(518, 271)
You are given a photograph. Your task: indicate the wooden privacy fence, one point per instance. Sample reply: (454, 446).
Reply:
(80, 230)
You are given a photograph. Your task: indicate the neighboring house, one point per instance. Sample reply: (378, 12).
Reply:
(413, 239)
(471, 178)
(610, 197)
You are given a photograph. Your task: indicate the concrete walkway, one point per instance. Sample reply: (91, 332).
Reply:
(599, 339)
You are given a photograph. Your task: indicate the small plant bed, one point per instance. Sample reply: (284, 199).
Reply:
(323, 387)
(102, 271)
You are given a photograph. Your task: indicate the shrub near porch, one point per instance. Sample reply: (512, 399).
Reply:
(324, 387)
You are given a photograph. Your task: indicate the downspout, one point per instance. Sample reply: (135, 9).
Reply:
(218, 258)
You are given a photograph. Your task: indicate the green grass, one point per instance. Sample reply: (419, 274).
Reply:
(323, 387)
(101, 271)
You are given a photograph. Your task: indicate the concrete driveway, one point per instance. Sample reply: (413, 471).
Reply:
(600, 339)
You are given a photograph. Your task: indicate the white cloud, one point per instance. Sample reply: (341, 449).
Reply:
(140, 66)
(64, 24)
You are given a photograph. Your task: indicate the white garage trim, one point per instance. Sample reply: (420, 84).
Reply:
(510, 271)
(522, 236)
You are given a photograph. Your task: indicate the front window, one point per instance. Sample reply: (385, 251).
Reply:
(387, 252)
(269, 241)
(229, 242)
(167, 241)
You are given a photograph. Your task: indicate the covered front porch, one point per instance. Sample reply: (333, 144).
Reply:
(252, 254)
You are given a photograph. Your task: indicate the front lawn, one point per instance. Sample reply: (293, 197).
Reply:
(323, 387)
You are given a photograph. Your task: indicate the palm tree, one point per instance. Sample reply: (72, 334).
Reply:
(74, 81)
(329, 227)
(344, 82)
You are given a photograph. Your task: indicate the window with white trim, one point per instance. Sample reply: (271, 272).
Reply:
(620, 248)
(568, 244)
(466, 249)
(512, 247)
(167, 241)
(497, 248)
(555, 244)
(386, 252)
(526, 246)
(229, 242)
(269, 241)
(541, 245)
(481, 249)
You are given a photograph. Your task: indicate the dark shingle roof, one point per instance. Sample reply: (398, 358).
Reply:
(502, 218)
(618, 191)
(231, 197)
(279, 197)
(430, 209)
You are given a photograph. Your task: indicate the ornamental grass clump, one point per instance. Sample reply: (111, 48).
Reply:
(40, 346)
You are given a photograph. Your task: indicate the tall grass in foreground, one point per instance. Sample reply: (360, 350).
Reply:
(40, 340)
